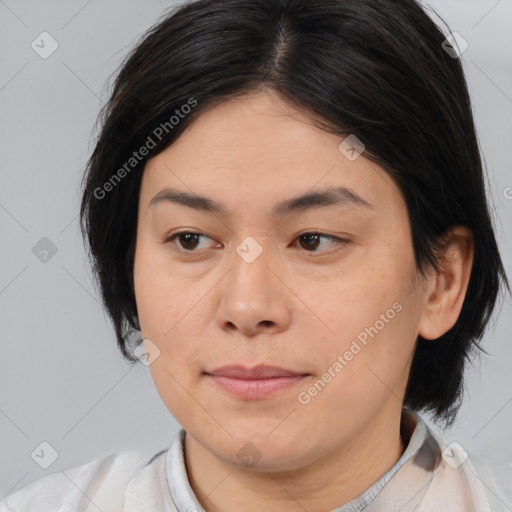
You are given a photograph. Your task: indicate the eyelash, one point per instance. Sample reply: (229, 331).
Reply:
(336, 240)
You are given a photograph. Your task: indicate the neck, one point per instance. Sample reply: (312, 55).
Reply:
(325, 484)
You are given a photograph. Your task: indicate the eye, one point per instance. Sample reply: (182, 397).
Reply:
(188, 240)
(312, 241)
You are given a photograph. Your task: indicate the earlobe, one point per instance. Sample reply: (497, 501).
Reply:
(446, 287)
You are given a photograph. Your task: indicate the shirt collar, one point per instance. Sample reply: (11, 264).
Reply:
(404, 486)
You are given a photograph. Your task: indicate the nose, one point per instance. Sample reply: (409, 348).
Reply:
(254, 298)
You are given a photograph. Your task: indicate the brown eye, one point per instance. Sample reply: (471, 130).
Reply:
(311, 241)
(187, 241)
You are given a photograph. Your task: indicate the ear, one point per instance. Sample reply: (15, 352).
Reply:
(446, 287)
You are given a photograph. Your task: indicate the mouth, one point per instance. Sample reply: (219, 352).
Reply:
(255, 383)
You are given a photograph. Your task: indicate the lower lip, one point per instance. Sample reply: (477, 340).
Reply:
(257, 388)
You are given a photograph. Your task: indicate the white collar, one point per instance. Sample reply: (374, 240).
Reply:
(420, 479)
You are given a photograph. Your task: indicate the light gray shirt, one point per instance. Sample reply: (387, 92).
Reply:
(429, 476)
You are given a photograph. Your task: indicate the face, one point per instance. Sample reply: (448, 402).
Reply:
(298, 257)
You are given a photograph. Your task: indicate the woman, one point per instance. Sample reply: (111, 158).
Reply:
(286, 214)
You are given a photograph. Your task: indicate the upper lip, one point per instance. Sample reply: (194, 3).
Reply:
(257, 372)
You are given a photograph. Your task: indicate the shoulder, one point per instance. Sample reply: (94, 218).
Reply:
(99, 484)
(496, 479)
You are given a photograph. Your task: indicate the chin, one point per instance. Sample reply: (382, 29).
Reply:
(261, 449)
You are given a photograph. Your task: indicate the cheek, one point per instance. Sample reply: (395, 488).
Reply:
(170, 314)
(159, 297)
(369, 326)
(357, 377)
(167, 318)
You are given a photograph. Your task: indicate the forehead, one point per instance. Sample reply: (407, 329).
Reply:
(265, 149)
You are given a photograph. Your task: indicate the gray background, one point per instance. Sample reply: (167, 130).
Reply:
(61, 378)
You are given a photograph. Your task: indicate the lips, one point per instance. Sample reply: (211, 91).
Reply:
(256, 373)
(255, 383)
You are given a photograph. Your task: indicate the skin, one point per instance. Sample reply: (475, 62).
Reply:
(297, 305)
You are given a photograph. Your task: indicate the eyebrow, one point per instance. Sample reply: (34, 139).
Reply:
(335, 196)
